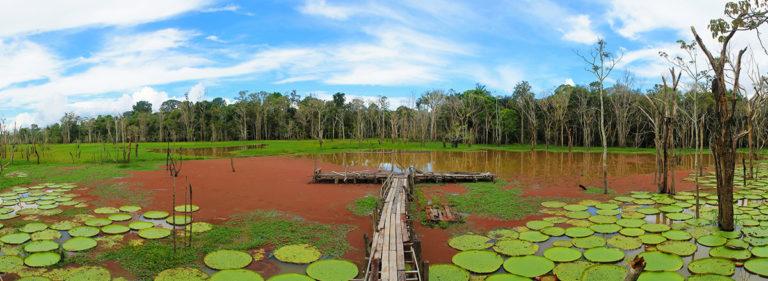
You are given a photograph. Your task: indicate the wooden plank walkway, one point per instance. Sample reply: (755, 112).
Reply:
(381, 176)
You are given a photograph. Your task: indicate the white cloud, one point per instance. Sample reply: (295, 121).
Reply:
(226, 8)
(35, 16)
(23, 60)
(579, 29)
(197, 93)
(159, 40)
(214, 38)
(569, 82)
(321, 8)
(630, 18)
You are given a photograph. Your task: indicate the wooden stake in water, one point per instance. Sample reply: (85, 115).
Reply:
(173, 214)
(190, 216)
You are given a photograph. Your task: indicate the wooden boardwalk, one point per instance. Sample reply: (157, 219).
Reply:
(381, 176)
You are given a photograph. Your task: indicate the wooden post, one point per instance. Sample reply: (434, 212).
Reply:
(744, 172)
(232, 163)
(635, 268)
(425, 271)
(367, 245)
(173, 214)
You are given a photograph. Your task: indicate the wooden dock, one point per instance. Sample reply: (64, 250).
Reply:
(381, 176)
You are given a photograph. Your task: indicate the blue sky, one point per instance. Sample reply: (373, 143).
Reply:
(101, 56)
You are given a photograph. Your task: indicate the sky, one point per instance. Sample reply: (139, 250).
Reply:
(96, 57)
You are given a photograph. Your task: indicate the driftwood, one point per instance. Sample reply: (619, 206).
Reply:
(3, 166)
(635, 268)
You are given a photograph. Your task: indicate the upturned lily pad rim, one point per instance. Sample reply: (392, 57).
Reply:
(339, 270)
(757, 266)
(298, 253)
(227, 259)
(478, 261)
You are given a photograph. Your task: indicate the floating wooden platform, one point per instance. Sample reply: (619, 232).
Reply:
(381, 176)
(442, 213)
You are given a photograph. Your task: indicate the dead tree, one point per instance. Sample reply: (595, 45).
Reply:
(3, 166)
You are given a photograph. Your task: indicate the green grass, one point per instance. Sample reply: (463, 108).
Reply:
(364, 206)
(81, 174)
(242, 232)
(598, 190)
(488, 199)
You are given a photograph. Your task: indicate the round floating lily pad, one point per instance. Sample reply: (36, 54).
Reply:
(478, 261)
(553, 204)
(15, 238)
(538, 224)
(228, 259)
(577, 215)
(562, 254)
(64, 225)
(186, 208)
(120, 217)
(632, 215)
(709, 277)
(670, 209)
(139, 225)
(98, 222)
(603, 219)
(83, 231)
(760, 252)
(571, 271)
(631, 231)
(301, 253)
(575, 208)
(9, 216)
(173, 274)
(652, 238)
(41, 246)
(631, 222)
(608, 212)
(470, 242)
(33, 227)
(502, 234)
(179, 220)
(8, 262)
(130, 208)
(606, 206)
(589, 202)
(106, 210)
(737, 244)
(515, 247)
(447, 272)
(658, 261)
(533, 236)
(154, 233)
(553, 231)
(678, 216)
(555, 219)
(604, 254)
(624, 242)
(728, 234)
(332, 270)
(755, 231)
(588, 242)
(757, 266)
(562, 243)
(528, 266)
(42, 259)
(236, 275)
(680, 248)
(717, 266)
(578, 232)
(605, 228)
(156, 215)
(603, 272)
(655, 227)
(660, 276)
(506, 277)
(199, 227)
(731, 254)
(91, 273)
(302, 277)
(677, 235)
(698, 222)
(78, 244)
(711, 240)
(115, 229)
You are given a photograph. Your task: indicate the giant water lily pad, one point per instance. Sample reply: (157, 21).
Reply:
(98, 222)
(447, 272)
(603, 219)
(120, 217)
(139, 225)
(578, 232)
(589, 242)
(515, 247)
(678, 216)
(15, 238)
(42, 259)
(680, 248)
(173, 274)
(624, 242)
(506, 277)
(479, 261)
(604, 254)
(660, 276)
(677, 235)
(603, 272)
(186, 208)
(41, 246)
(731, 254)
(655, 227)
(91, 273)
(236, 275)
(8, 262)
(553, 231)
(578, 215)
(717, 266)
(302, 277)
(154, 233)
(658, 261)
(78, 244)
(332, 270)
(156, 215)
(227, 259)
(115, 229)
(709, 277)
(757, 266)
(632, 232)
(83, 231)
(571, 271)
(605, 228)
(106, 210)
(470, 242)
(711, 240)
(755, 231)
(538, 224)
(631, 222)
(760, 252)
(562, 254)
(528, 266)
(575, 208)
(533, 236)
(179, 220)
(33, 227)
(64, 225)
(502, 234)
(652, 238)
(199, 227)
(301, 253)
(737, 244)
(129, 208)
(553, 204)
